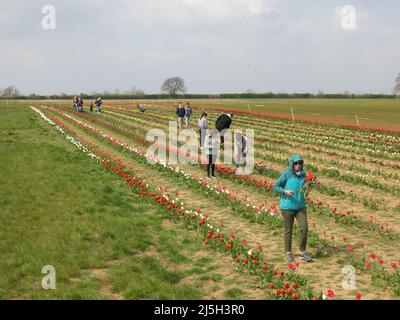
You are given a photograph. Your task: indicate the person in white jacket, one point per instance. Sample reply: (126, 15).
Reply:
(211, 150)
(203, 126)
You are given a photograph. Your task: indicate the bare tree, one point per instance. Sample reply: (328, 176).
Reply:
(10, 92)
(173, 85)
(396, 89)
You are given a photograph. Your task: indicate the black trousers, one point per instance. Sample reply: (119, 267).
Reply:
(211, 164)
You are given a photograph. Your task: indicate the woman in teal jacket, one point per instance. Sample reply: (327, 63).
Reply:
(293, 205)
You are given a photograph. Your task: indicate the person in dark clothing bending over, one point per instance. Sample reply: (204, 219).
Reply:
(223, 123)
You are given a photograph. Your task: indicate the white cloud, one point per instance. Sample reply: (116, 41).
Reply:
(219, 8)
(232, 9)
(216, 45)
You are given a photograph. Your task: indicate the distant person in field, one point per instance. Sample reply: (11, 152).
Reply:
(99, 103)
(141, 108)
(80, 104)
(75, 103)
(188, 114)
(222, 124)
(203, 126)
(211, 151)
(180, 113)
(91, 106)
(293, 205)
(241, 150)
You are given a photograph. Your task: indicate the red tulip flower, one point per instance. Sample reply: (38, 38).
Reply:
(287, 286)
(310, 177)
(292, 266)
(358, 296)
(309, 180)
(271, 285)
(372, 256)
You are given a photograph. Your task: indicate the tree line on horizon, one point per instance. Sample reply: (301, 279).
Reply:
(269, 95)
(175, 88)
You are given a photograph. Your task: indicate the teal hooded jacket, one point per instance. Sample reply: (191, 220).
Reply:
(290, 180)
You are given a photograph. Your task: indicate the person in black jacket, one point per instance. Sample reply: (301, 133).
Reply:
(180, 112)
(222, 124)
(80, 104)
(98, 103)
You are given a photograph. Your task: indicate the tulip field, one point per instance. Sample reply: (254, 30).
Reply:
(78, 192)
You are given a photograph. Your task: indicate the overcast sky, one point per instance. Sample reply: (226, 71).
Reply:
(215, 45)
